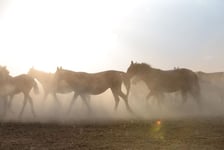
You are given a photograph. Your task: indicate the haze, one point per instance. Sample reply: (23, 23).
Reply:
(99, 35)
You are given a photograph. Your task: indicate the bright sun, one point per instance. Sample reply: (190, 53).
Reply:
(51, 33)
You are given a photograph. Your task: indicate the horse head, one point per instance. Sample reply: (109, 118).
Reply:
(4, 73)
(131, 70)
(137, 69)
(31, 72)
(58, 73)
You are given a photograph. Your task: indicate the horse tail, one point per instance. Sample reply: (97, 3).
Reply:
(35, 87)
(197, 86)
(196, 89)
(127, 82)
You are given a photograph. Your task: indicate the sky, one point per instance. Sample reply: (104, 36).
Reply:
(93, 36)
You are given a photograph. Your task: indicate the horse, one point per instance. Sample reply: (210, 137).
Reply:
(48, 84)
(10, 86)
(3, 76)
(95, 83)
(161, 81)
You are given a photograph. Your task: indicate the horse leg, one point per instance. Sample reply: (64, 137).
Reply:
(10, 102)
(85, 101)
(125, 98)
(24, 103)
(5, 99)
(152, 94)
(175, 97)
(45, 96)
(149, 95)
(75, 96)
(184, 96)
(31, 104)
(116, 98)
(160, 99)
(88, 98)
(56, 98)
(197, 96)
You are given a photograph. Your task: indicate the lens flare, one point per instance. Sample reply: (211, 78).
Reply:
(158, 122)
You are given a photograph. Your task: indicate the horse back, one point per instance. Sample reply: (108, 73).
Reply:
(174, 79)
(23, 82)
(93, 83)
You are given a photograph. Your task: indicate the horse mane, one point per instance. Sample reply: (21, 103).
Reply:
(145, 67)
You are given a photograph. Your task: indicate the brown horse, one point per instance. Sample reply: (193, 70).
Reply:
(10, 86)
(48, 83)
(160, 81)
(95, 83)
(3, 75)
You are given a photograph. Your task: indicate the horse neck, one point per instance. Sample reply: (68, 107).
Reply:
(6, 80)
(147, 72)
(148, 75)
(69, 75)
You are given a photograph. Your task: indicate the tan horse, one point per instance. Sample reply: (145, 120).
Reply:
(48, 84)
(10, 86)
(160, 81)
(95, 83)
(3, 75)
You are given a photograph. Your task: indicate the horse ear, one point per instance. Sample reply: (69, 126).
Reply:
(132, 62)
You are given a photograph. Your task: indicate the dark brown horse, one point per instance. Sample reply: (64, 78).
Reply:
(95, 83)
(160, 81)
(10, 86)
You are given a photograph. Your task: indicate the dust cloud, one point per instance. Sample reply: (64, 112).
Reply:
(102, 106)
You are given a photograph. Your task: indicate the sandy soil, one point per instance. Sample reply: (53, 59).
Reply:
(191, 133)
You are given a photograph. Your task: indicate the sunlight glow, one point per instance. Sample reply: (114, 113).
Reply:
(55, 33)
(92, 36)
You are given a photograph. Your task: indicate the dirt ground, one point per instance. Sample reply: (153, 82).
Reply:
(191, 133)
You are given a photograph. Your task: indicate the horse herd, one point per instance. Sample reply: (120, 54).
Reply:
(83, 84)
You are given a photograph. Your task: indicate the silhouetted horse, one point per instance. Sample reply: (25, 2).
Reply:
(95, 83)
(48, 83)
(10, 86)
(159, 81)
(3, 76)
